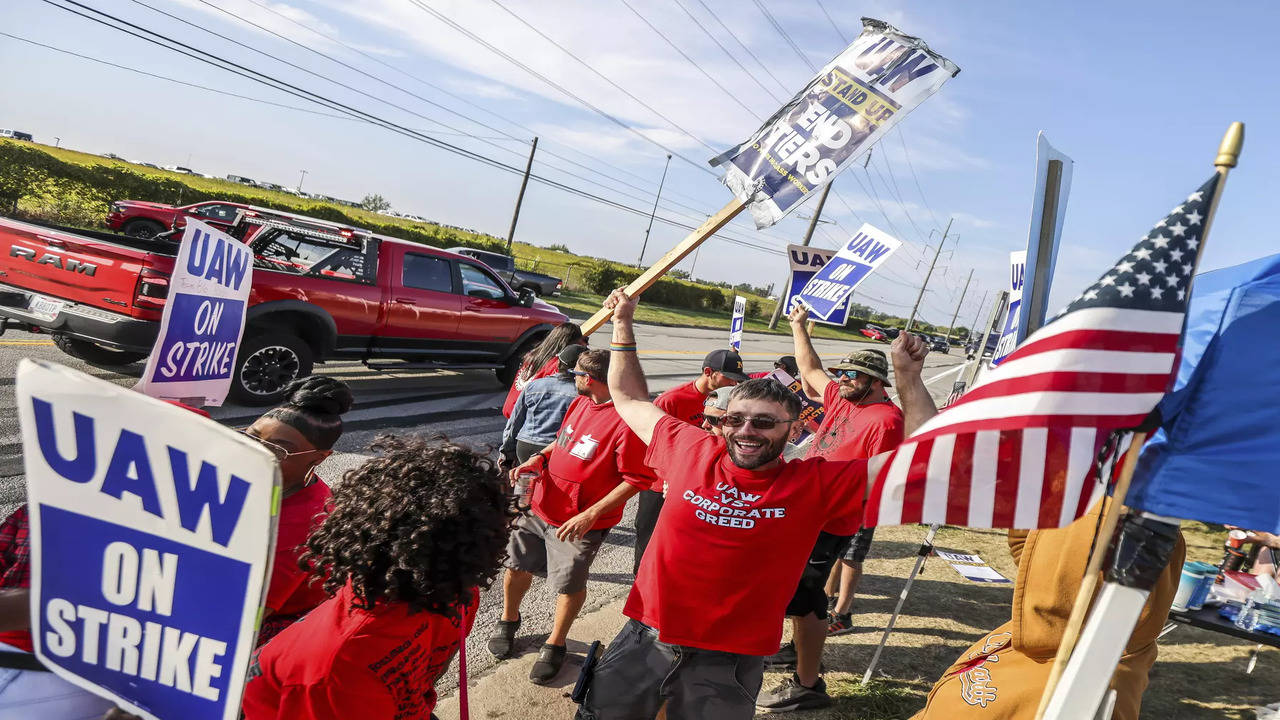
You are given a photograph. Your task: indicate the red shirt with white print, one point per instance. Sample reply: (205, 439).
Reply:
(852, 431)
(594, 452)
(731, 544)
(342, 662)
(683, 402)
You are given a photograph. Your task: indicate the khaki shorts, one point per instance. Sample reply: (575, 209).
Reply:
(534, 548)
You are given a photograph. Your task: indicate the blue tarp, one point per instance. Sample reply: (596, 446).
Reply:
(1217, 456)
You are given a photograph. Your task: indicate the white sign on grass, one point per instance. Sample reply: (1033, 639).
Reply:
(152, 533)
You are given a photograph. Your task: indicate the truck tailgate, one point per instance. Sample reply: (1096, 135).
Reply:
(79, 268)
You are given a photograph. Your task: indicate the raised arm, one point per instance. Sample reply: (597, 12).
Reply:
(811, 373)
(908, 352)
(626, 380)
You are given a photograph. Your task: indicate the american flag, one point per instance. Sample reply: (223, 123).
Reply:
(1018, 450)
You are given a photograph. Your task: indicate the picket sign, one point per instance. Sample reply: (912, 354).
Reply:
(152, 534)
(200, 331)
(735, 325)
(805, 262)
(830, 287)
(811, 413)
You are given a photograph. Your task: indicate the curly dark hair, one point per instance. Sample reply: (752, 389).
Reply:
(423, 523)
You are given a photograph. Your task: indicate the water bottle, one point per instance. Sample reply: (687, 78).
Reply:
(1247, 619)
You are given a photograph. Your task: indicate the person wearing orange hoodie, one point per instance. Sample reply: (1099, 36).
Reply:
(1002, 675)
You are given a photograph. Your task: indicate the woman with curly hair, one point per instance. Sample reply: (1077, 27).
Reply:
(301, 433)
(411, 537)
(542, 361)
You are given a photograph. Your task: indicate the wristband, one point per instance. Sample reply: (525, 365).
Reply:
(615, 347)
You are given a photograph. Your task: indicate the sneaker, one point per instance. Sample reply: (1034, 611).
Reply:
(791, 695)
(840, 624)
(785, 657)
(503, 638)
(550, 660)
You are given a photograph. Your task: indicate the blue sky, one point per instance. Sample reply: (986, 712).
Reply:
(1138, 94)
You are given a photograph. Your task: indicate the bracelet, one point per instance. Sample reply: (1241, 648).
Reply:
(622, 348)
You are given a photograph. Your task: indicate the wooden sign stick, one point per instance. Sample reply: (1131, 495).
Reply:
(671, 259)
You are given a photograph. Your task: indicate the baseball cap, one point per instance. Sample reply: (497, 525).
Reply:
(569, 356)
(871, 362)
(727, 362)
(788, 363)
(718, 399)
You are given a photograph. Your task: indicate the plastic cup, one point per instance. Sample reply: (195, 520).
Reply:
(1188, 583)
(524, 488)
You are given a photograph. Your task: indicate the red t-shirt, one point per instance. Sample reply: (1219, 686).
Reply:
(854, 432)
(517, 387)
(290, 590)
(730, 544)
(683, 402)
(340, 662)
(594, 452)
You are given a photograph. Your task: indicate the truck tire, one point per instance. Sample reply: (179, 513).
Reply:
(142, 229)
(95, 354)
(265, 366)
(507, 373)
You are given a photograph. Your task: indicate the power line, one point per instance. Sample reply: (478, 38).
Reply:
(907, 155)
(743, 45)
(725, 50)
(688, 59)
(785, 36)
(499, 52)
(243, 71)
(835, 27)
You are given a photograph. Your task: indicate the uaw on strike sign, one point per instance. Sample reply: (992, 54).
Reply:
(847, 108)
(829, 289)
(195, 352)
(152, 532)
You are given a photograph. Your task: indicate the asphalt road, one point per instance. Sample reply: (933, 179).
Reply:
(465, 406)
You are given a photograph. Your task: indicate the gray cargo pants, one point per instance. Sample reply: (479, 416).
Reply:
(638, 672)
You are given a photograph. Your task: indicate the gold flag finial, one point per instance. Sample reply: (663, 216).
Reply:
(1232, 142)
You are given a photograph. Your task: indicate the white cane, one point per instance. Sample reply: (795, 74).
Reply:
(926, 547)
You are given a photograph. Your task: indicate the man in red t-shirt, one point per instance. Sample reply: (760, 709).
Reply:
(586, 476)
(859, 422)
(720, 369)
(729, 547)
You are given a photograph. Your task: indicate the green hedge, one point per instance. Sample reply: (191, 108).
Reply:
(28, 172)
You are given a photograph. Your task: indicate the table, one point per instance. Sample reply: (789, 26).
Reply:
(1207, 618)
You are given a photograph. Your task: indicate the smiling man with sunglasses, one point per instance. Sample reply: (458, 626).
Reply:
(729, 546)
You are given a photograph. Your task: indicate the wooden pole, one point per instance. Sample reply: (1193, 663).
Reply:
(1228, 156)
(671, 259)
(524, 183)
(911, 320)
(808, 236)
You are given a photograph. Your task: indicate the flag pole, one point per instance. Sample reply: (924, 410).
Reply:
(1228, 156)
(672, 258)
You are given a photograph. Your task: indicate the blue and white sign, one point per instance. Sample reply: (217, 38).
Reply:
(848, 107)
(152, 533)
(831, 286)
(1046, 155)
(1009, 332)
(195, 351)
(805, 262)
(735, 325)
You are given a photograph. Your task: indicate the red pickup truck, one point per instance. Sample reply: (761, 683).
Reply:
(140, 219)
(320, 291)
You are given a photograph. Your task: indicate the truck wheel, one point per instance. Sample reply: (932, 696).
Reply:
(507, 373)
(142, 229)
(265, 366)
(95, 354)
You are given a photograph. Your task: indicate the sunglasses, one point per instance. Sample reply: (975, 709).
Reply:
(759, 422)
(280, 453)
(851, 374)
(713, 420)
(580, 373)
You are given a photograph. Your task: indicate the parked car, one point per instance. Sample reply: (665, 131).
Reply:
(505, 265)
(891, 332)
(874, 333)
(180, 169)
(939, 344)
(320, 291)
(141, 219)
(242, 180)
(16, 135)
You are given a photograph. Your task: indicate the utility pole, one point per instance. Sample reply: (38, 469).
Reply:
(520, 198)
(644, 246)
(952, 326)
(57, 142)
(978, 314)
(920, 295)
(808, 235)
(304, 177)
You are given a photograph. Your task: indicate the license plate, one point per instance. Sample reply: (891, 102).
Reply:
(44, 308)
